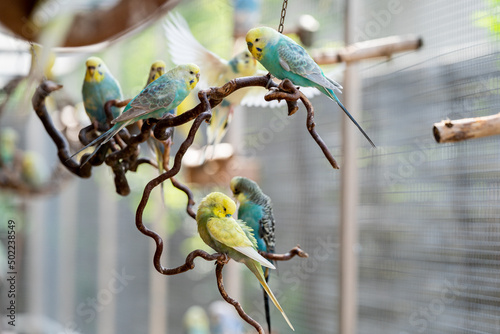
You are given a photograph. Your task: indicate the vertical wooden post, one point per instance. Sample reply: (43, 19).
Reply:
(349, 188)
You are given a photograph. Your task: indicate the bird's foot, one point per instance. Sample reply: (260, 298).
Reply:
(269, 81)
(223, 259)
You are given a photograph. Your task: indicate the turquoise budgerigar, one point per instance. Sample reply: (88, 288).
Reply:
(217, 71)
(99, 86)
(257, 212)
(155, 101)
(219, 230)
(285, 59)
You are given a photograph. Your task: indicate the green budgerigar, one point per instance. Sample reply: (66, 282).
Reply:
(159, 148)
(219, 230)
(257, 212)
(285, 59)
(155, 101)
(99, 86)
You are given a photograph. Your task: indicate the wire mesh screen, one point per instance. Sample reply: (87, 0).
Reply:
(429, 219)
(428, 214)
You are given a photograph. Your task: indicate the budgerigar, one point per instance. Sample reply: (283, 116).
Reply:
(99, 86)
(219, 230)
(8, 147)
(257, 212)
(217, 71)
(285, 59)
(159, 148)
(154, 101)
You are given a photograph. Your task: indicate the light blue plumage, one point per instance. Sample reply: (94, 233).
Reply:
(257, 212)
(157, 99)
(285, 59)
(99, 86)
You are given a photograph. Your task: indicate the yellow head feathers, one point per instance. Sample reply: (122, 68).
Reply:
(221, 205)
(158, 68)
(246, 64)
(190, 72)
(96, 69)
(258, 38)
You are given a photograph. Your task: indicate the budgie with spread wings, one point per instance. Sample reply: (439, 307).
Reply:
(155, 101)
(219, 230)
(285, 59)
(183, 47)
(99, 86)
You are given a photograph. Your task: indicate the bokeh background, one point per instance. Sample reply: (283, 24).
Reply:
(428, 213)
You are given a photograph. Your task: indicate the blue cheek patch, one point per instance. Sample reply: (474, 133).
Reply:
(259, 49)
(191, 82)
(228, 215)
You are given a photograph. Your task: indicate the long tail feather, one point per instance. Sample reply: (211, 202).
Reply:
(102, 139)
(256, 269)
(266, 301)
(334, 97)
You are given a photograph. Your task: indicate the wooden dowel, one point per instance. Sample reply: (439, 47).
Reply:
(448, 131)
(381, 47)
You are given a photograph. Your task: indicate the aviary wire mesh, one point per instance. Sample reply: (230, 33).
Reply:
(429, 220)
(429, 215)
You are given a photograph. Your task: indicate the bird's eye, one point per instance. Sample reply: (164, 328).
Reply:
(256, 39)
(224, 209)
(191, 72)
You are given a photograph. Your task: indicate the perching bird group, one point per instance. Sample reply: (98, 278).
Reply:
(254, 231)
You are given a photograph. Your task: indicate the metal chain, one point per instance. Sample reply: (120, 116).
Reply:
(283, 14)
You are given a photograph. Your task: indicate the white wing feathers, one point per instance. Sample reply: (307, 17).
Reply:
(254, 255)
(184, 48)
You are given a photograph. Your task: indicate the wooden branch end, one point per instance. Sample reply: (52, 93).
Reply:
(448, 131)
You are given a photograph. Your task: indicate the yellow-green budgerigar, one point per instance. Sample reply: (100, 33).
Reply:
(158, 68)
(219, 230)
(285, 59)
(217, 71)
(155, 101)
(99, 86)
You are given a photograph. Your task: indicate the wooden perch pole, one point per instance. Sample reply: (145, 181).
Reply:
(448, 131)
(381, 47)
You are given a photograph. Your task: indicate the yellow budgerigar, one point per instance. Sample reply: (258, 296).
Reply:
(219, 230)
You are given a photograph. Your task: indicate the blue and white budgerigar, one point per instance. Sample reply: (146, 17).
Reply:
(257, 212)
(285, 59)
(217, 71)
(155, 101)
(219, 230)
(99, 86)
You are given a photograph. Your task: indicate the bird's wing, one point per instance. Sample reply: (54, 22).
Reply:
(184, 48)
(159, 94)
(294, 58)
(266, 231)
(230, 233)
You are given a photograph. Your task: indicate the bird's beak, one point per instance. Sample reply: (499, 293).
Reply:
(250, 45)
(91, 70)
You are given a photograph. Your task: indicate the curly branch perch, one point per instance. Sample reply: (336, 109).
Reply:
(126, 158)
